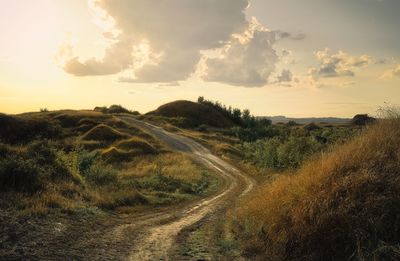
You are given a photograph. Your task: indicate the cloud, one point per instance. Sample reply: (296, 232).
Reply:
(162, 41)
(338, 64)
(394, 72)
(247, 60)
(169, 41)
(285, 76)
(290, 35)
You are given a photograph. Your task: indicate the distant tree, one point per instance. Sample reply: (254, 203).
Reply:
(312, 126)
(263, 122)
(44, 110)
(362, 120)
(237, 115)
(291, 123)
(200, 99)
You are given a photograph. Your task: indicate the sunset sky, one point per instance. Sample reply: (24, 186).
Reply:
(286, 57)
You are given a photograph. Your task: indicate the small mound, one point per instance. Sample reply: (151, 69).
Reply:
(104, 133)
(69, 119)
(136, 144)
(195, 114)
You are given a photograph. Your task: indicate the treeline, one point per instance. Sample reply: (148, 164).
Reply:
(248, 127)
(241, 118)
(115, 109)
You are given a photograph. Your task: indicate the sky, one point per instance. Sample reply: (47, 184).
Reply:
(295, 58)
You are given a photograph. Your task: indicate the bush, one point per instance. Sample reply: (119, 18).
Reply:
(19, 174)
(117, 109)
(278, 154)
(101, 174)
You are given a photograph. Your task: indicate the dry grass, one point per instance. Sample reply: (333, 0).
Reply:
(166, 163)
(343, 206)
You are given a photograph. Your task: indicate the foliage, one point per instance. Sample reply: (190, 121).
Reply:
(241, 118)
(362, 120)
(288, 148)
(115, 109)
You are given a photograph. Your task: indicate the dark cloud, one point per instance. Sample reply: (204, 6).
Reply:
(290, 35)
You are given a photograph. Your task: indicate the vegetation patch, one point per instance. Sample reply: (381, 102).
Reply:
(344, 205)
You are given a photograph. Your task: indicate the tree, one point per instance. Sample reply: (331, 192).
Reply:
(362, 120)
(200, 99)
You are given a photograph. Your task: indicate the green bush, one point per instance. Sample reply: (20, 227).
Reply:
(101, 174)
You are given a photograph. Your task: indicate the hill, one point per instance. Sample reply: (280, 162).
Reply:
(101, 160)
(343, 205)
(329, 120)
(192, 114)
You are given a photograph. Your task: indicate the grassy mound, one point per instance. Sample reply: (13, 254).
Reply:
(343, 206)
(104, 133)
(193, 114)
(136, 144)
(127, 149)
(70, 119)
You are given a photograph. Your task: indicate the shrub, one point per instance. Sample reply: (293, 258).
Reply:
(100, 174)
(117, 109)
(19, 174)
(362, 120)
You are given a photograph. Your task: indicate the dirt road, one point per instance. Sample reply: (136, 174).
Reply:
(159, 232)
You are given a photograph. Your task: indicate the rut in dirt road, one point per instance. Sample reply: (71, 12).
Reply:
(157, 240)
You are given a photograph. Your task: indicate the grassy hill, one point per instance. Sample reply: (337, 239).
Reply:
(191, 114)
(73, 160)
(344, 205)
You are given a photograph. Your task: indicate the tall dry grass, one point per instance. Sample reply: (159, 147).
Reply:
(343, 206)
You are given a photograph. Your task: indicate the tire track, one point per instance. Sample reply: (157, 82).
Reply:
(155, 242)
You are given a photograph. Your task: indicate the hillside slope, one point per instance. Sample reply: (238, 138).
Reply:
(343, 206)
(193, 113)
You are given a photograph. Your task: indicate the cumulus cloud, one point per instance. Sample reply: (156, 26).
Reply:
(247, 60)
(168, 41)
(338, 64)
(173, 33)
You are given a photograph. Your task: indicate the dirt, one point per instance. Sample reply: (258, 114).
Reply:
(181, 232)
(156, 242)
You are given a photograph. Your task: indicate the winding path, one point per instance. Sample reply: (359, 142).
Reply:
(160, 230)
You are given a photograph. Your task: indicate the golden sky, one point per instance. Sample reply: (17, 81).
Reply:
(293, 58)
